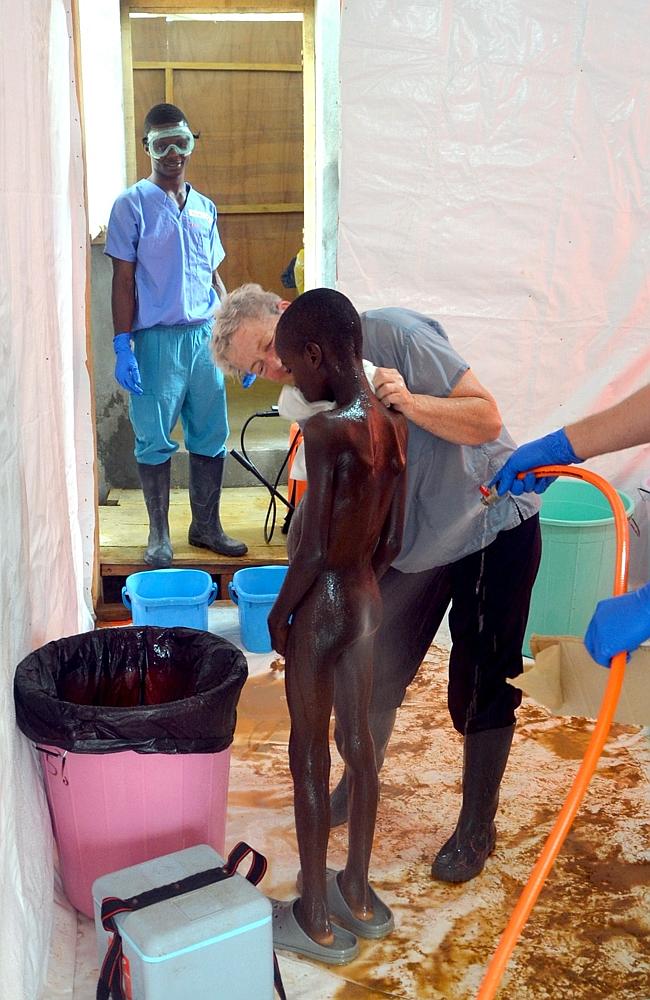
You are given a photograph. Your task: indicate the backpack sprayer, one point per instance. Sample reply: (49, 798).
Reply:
(247, 463)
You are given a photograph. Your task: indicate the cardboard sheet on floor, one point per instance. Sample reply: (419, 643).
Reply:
(566, 680)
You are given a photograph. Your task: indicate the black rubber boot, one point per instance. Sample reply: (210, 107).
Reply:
(484, 761)
(155, 486)
(381, 727)
(206, 477)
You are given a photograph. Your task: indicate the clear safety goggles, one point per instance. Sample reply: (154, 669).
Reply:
(161, 140)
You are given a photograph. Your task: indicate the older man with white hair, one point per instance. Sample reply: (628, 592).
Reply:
(480, 560)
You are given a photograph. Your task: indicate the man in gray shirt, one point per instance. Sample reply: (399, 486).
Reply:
(456, 551)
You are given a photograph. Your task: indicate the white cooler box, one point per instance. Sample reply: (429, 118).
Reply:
(215, 942)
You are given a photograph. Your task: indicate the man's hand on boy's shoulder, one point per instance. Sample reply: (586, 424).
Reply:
(391, 388)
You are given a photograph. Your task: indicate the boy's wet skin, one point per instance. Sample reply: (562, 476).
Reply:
(343, 538)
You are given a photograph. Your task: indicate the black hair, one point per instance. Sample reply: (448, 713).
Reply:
(163, 114)
(325, 317)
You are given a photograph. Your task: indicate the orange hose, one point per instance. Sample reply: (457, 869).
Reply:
(572, 803)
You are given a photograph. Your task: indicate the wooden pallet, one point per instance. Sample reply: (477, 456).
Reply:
(124, 526)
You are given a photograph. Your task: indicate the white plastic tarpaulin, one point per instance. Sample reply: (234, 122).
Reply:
(495, 174)
(46, 438)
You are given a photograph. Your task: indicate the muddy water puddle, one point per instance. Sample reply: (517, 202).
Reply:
(588, 935)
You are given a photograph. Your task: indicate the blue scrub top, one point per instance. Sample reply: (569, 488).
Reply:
(175, 252)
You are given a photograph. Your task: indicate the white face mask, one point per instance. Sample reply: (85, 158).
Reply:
(292, 405)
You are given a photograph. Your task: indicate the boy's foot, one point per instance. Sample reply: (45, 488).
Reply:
(378, 926)
(288, 935)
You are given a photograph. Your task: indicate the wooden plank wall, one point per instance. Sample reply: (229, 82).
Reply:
(241, 85)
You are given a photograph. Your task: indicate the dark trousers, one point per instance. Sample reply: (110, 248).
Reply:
(489, 592)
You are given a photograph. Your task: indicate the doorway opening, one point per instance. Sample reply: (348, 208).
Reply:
(249, 81)
(267, 110)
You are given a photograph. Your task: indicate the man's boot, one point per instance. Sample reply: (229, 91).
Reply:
(484, 760)
(381, 726)
(155, 486)
(206, 477)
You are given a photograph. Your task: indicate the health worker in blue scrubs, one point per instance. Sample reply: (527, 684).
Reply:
(164, 243)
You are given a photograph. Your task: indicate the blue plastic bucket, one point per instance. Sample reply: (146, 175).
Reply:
(578, 558)
(254, 591)
(170, 597)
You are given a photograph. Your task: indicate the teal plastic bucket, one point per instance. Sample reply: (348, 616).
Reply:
(254, 591)
(170, 597)
(578, 558)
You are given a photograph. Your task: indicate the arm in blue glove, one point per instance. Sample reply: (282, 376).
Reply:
(623, 425)
(619, 623)
(127, 372)
(554, 449)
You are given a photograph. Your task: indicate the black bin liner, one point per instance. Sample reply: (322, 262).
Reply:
(144, 688)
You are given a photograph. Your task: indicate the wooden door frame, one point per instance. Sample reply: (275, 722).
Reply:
(304, 7)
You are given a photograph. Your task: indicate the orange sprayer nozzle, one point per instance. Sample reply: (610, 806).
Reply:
(488, 494)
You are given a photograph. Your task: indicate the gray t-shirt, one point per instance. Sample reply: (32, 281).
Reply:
(445, 519)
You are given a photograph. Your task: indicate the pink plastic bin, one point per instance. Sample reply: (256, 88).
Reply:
(111, 811)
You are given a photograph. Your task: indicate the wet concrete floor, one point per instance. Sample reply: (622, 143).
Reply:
(588, 935)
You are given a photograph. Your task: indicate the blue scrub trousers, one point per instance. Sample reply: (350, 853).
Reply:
(179, 379)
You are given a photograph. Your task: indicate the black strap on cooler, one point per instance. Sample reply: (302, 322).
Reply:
(110, 975)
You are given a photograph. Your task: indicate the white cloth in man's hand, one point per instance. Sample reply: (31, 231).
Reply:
(293, 406)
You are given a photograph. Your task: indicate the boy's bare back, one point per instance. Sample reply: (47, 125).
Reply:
(364, 446)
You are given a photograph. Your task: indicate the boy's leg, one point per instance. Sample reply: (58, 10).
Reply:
(352, 689)
(414, 605)
(309, 688)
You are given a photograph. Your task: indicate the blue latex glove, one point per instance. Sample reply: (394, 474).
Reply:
(619, 623)
(554, 449)
(127, 372)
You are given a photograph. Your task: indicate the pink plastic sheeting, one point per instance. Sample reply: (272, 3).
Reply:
(494, 173)
(46, 443)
